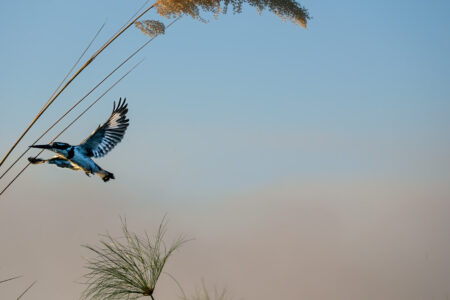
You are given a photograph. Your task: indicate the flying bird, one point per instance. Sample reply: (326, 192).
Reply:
(98, 144)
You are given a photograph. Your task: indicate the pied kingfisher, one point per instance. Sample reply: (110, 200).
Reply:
(98, 144)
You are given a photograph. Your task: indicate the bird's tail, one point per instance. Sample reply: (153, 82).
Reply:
(105, 175)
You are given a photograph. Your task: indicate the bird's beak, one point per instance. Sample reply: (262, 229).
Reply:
(41, 146)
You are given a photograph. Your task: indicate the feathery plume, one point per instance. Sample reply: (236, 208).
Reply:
(152, 28)
(285, 9)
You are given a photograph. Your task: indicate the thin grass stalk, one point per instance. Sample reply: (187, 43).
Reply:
(76, 104)
(27, 289)
(87, 63)
(128, 21)
(9, 279)
(178, 284)
(73, 66)
(76, 119)
(77, 61)
(135, 14)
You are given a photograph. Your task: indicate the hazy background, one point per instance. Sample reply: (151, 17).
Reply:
(306, 164)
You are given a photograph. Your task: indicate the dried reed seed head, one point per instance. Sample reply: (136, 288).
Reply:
(152, 28)
(285, 9)
(170, 8)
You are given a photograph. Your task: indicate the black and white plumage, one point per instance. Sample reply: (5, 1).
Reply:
(108, 135)
(98, 144)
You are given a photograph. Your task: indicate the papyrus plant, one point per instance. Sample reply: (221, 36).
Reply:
(128, 267)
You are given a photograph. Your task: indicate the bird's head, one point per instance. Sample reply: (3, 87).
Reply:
(58, 147)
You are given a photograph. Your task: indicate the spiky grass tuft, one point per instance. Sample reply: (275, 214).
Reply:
(128, 267)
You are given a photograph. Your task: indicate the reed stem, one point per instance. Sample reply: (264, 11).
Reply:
(27, 289)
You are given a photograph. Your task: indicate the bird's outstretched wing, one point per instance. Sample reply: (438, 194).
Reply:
(108, 135)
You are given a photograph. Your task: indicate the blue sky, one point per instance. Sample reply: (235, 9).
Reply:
(243, 107)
